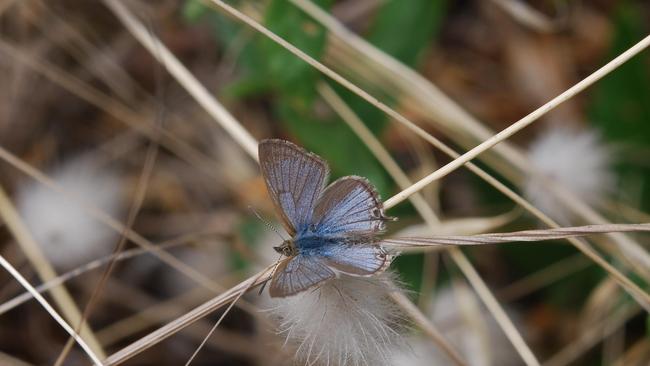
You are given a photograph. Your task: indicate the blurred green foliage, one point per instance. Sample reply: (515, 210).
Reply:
(620, 106)
(270, 69)
(419, 19)
(250, 231)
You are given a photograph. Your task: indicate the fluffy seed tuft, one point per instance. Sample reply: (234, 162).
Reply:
(347, 321)
(578, 160)
(67, 234)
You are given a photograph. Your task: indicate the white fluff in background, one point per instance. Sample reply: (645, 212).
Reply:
(67, 234)
(347, 321)
(467, 326)
(210, 259)
(578, 160)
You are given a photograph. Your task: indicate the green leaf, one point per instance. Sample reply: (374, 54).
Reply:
(289, 73)
(405, 28)
(193, 10)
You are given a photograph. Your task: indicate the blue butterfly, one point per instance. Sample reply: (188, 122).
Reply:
(333, 230)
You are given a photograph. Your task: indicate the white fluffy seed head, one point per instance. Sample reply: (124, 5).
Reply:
(347, 321)
(467, 326)
(577, 160)
(67, 234)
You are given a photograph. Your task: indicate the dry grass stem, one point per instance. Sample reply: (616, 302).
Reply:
(9, 360)
(26, 296)
(516, 236)
(524, 122)
(427, 327)
(77, 44)
(45, 270)
(184, 77)
(188, 318)
(429, 217)
(592, 336)
(632, 252)
(113, 108)
(629, 213)
(543, 277)
(493, 306)
(527, 15)
(241, 293)
(154, 313)
(157, 313)
(14, 273)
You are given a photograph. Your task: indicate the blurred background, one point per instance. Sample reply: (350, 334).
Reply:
(95, 134)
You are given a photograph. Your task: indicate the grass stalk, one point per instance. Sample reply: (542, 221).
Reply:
(45, 270)
(95, 97)
(188, 318)
(427, 212)
(62, 278)
(427, 327)
(14, 273)
(184, 77)
(457, 123)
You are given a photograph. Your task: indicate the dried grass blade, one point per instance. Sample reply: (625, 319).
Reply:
(45, 271)
(524, 236)
(188, 318)
(426, 326)
(50, 310)
(184, 77)
(56, 281)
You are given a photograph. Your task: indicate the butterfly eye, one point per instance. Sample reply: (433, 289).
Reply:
(376, 213)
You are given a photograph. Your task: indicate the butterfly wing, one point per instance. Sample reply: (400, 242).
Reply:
(299, 274)
(357, 259)
(294, 178)
(349, 207)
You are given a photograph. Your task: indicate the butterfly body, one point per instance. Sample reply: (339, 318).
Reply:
(334, 229)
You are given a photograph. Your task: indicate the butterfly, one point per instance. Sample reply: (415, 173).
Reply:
(334, 229)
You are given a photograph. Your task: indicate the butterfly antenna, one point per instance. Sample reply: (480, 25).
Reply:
(268, 224)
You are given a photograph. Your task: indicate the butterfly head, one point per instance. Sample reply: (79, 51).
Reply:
(287, 249)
